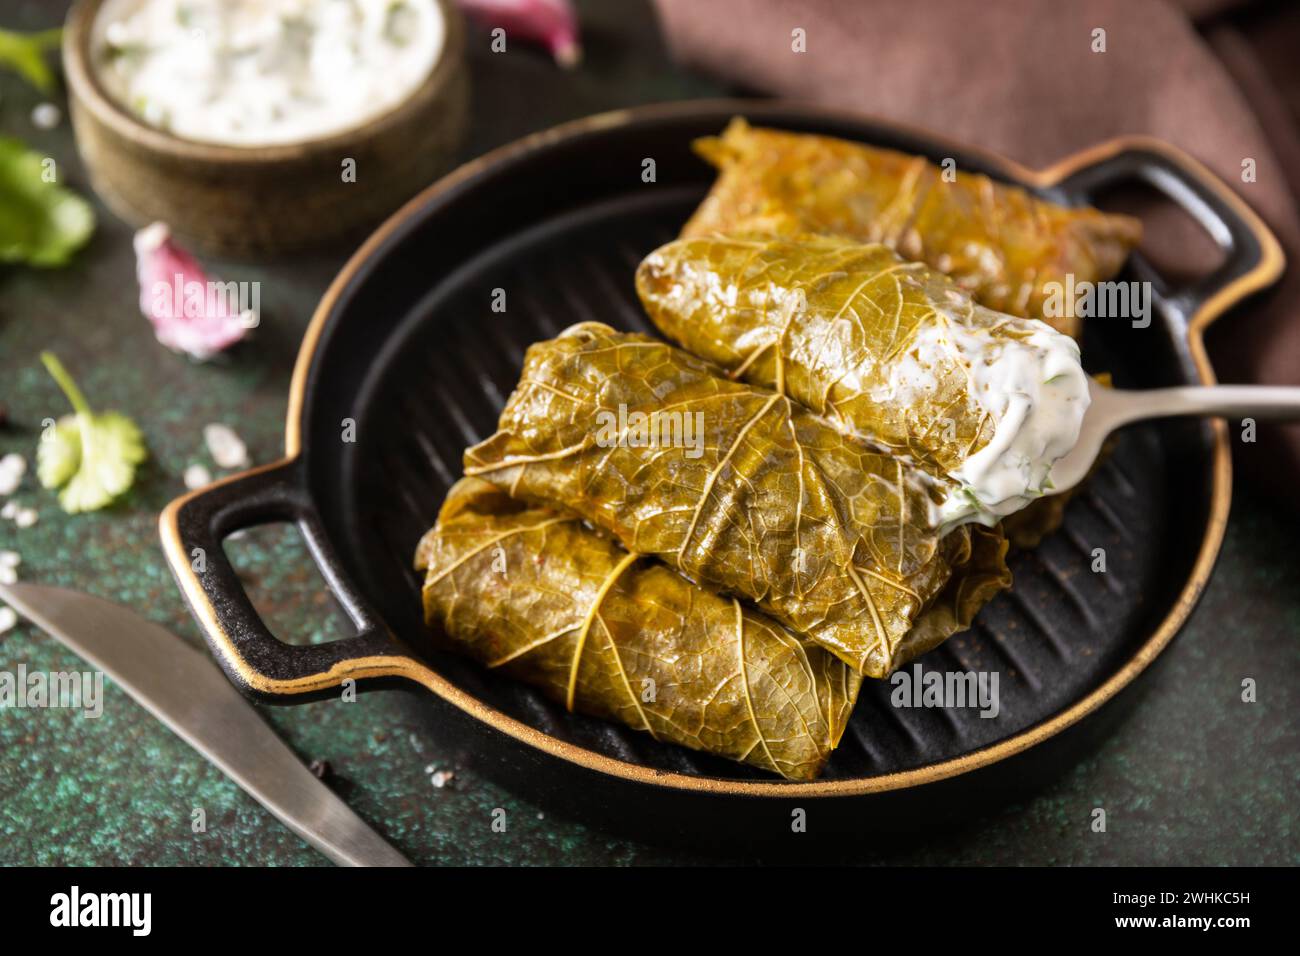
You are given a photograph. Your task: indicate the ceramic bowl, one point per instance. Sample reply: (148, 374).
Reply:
(244, 201)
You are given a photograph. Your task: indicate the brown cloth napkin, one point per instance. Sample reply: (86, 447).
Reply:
(1021, 78)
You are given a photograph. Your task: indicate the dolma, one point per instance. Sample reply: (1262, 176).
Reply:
(997, 241)
(548, 601)
(889, 351)
(741, 490)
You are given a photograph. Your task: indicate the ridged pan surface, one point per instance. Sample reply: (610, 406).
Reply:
(420, 360)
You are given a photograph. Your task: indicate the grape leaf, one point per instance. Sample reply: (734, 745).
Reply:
(760, 499)
(998, 241)
(834, 322)
(548, 601)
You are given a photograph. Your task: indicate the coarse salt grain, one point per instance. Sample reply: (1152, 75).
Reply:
(10, 559)
(8, 574)
(26, 517)
(9, 511)
(12, 468)
(226, 447)
(8, 618)
(441, 778)
(196, 477)
(46, 116)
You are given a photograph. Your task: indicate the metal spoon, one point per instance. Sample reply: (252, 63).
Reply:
(1113, 408)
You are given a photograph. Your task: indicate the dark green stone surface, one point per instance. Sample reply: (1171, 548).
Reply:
(1194, 776)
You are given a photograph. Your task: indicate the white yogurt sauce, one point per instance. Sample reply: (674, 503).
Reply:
(264, 72)
(1034, 390)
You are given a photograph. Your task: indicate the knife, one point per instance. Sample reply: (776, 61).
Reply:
(189, 694)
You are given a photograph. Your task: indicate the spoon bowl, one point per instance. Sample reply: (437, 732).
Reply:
(1113, 408)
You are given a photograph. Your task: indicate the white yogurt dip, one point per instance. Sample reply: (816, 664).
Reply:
(264, 72)
(1035, 391)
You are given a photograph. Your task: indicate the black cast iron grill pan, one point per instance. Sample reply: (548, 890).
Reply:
(406, 345)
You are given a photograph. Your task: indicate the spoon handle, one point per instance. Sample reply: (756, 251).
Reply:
(1230, 401)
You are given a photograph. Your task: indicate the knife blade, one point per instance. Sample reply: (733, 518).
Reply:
(190, 695)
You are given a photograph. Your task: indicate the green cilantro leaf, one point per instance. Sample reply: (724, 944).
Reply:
(41, 222)
(25, 54)
(91, 456)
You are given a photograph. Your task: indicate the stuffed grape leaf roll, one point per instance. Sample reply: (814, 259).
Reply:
(889, 351)
(997, 241)
(741, 490)
(548, 601)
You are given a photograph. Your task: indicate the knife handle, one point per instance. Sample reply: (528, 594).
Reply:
(193, 528)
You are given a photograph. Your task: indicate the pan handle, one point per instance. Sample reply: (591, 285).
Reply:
(1253, 257)
(193, 528)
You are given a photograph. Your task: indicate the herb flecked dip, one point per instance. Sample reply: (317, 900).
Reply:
(264, 72)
